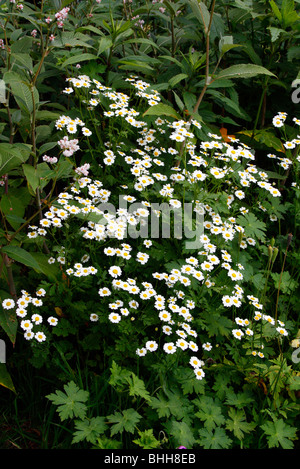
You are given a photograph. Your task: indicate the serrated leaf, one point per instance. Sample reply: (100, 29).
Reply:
(147, 440)
(22, 59)
(137, 387)
(71, 403)
(182, 434)
(216, 439)
(119, 376)
(279, 433)
(188, 383)
(237, 423)
(209, 412)
(284, 281)
(124, 421)
(89, 429)
(254, 228)
(172, 403)
(239, 400)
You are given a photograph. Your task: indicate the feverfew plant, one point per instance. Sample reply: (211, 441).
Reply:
(166, 163)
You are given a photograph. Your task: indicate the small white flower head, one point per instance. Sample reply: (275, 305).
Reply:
(141, 352)
(40, 336)
(36, 318)
(28, 334)
(114, 317)
(8, 304)
(238, 334)
(151, 345)
(115, 271)
(26, 324)
(207, 346)
(169, 348)
(199, 373)
(196, 362)
(52, 321)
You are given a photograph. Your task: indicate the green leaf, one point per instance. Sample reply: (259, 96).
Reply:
(119, 376)
(279, 433)
(107, 443)
(64, 169)
(201, 12)
(286, 283)
(135, 65)
(182, 434)
(218, 325)
(239, 400)
(137, 387)
(47, 115)
(26, 96)
(12, 156)
(31, 175)
(21, 255)
(124, 421)
(289, 14)
(51, 271)
(5, 378)
(142, 40)
(89, 429)
(162, 110)
(22, 59)
(216, 439)
(188, 383)
(265, 137)
(22, 45)
(104, 44)
(78, 58)
(172, 403)
(253, 227)
(226, 44)
(13, 209)
(71, 403)
(276, 10)
(71, 39)
(177, 78)
(147, 440)
(275, 33)
(237, 423)
(242, 71)
(209, 412)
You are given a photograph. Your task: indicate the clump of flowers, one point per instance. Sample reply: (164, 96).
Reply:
(32, 323)
(168, 294)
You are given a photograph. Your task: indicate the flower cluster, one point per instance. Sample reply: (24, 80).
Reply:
(69, 147)
(61, 16)
(248, 328)
(213, 162)
(31, 322)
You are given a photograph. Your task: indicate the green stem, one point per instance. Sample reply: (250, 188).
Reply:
(290, 236)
